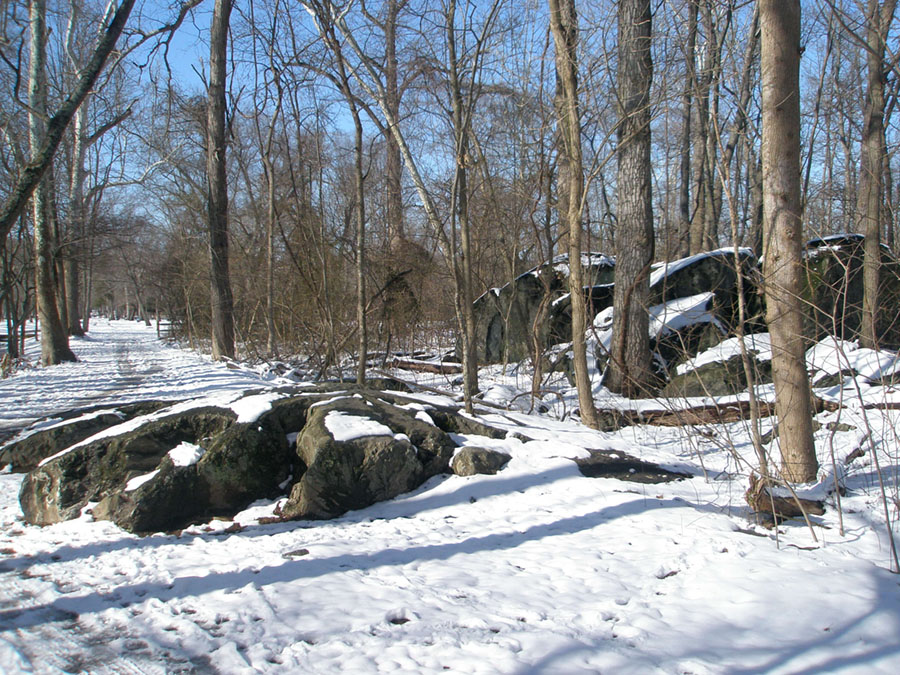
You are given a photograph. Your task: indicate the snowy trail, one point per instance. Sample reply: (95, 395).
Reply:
(79, 644)
(118, 361)
(534, 570)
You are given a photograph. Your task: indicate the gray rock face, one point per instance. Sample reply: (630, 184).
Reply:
(721, 378)
(505, 316)
(60, 488)
(26, 454)
(344, 474)
(470, 461)
(834, 278)
(392, 450)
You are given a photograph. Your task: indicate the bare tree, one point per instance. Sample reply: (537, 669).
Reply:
(564, 27)
(221, 297)
(629, 370)
(59, 122)
(683, 246)
(782, 271)
(870, 200)
(373, 83)
(54, 339)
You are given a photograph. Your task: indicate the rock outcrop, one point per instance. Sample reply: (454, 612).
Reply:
(71, 428)
(505, 316)
(331, 448)
(470, 461)
(834, 290)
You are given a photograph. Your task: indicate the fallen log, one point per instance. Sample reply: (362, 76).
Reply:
(426, 366)
(705, 414)
(716, 413)
(761, 499)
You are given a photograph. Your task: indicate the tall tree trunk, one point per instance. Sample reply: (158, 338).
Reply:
(21, 191)
(271, 219)
(463, 271)
(54, 340)
(564, 26)
(869, 205)
(683, 247)
(76, 224)
(220, 283)
(700, 216)
(629, 370)
(782, 242)
(393, 160)
(363, 328)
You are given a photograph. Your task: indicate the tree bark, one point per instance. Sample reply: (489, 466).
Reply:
(683, 247)
(460, 197)
(783, 232)
(76, 224)
(54, 340)
(629, 370)
(21, 191)
(564, 26)
(393, 160)
(870, 199)
(220, 283)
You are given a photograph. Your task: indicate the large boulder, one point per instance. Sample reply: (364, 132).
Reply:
(713, 272)
(60, 487)
(332, 448)
(42, 441)
(834, 290)
(358, 451)
(173, 469)
(505, 317)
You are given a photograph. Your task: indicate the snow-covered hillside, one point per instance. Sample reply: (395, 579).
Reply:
(536, 569)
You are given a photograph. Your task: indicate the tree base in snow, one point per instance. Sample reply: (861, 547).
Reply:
(762, 501)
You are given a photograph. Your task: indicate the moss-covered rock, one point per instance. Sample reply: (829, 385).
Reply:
(720, 378)
(470, 461)
(74, 426)
(396, 454)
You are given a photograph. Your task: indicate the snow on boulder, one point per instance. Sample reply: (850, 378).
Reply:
(719, 370)
(333, 447)
(471, 460)
(358, 451)
(46, 439)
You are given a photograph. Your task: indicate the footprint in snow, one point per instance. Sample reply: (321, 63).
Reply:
(400, 616)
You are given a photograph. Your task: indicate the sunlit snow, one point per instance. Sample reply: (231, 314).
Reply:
(344, 427)
(186, 454)
(536, 569)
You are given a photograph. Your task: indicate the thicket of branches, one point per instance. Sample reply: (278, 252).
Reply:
(389, 161)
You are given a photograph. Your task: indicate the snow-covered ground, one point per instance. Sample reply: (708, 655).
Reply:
(534, 570)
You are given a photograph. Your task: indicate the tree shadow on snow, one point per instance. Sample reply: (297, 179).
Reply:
(427, 497)
(311, 567)
(845, 651)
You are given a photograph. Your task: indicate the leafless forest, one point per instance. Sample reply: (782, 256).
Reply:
(337, 181)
